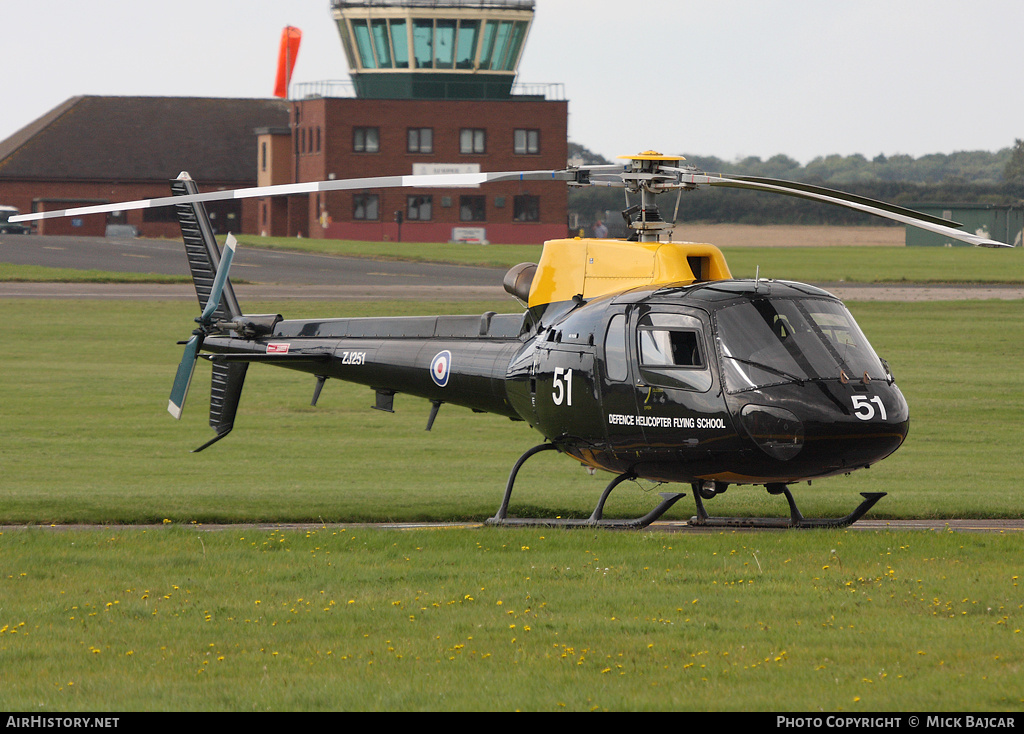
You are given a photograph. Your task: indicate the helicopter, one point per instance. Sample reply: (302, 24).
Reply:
(642, 357)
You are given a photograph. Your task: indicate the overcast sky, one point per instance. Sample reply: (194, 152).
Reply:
(729, 78)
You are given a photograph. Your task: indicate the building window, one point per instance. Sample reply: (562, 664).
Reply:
(263, 156)
(472, 208)
(473, 140)
(420, 140)
(526, 208)
(526, 142)
(501, 44)
(366, 206)
(366, 140)
(419, 208)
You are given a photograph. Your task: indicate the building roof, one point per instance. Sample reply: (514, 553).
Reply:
(440, 4)
(142, 139)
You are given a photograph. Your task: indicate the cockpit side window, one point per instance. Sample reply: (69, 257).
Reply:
(615, 363)
(672, 353)
(663, 348)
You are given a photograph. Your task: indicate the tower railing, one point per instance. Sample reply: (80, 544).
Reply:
(448, 89)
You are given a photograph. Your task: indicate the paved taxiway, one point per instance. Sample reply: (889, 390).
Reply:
(251, 264)
(276, 275)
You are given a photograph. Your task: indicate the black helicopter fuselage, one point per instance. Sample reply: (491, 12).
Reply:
(732, 382)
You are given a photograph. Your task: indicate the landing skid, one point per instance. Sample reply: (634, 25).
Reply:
(596, 518)
(795, 519)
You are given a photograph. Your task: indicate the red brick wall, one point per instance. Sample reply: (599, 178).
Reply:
(324, 141)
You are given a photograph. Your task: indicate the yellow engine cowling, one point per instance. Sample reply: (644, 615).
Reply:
(592, 268)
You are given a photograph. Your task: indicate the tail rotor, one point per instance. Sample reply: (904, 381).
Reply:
(207, 325)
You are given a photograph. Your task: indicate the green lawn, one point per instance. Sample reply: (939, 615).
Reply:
(10, 273)
(346, 617)
(805, 264)
(351, 618)
(85, 435)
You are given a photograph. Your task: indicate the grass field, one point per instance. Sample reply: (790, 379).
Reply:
(851, 254)
(85, 437)
(10, 273)
(343, 617)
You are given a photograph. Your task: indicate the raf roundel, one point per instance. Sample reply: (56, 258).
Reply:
(440, 366)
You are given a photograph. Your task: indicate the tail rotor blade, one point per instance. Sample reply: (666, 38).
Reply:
(220, 279)
(183, 377)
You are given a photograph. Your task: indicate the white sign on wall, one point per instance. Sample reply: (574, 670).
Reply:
(475, 235)
(441, 169)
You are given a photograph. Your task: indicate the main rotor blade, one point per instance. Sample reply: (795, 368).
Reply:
(183, 377)
(839, 198)
(379, 182)
(813, 191)
(219, 280)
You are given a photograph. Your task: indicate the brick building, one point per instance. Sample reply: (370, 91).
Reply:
(97, 150)
(432, 91)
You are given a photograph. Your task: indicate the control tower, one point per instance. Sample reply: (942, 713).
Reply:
(433, 49)
(433, 90)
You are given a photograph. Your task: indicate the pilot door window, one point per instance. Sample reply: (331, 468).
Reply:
(615, 364)
(671, 351)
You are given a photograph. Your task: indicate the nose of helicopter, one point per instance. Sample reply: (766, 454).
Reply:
(830, 429)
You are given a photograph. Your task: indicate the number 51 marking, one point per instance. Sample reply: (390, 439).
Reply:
(562, 388)
(863, 408)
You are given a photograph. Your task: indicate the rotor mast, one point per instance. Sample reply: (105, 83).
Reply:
(647, 175)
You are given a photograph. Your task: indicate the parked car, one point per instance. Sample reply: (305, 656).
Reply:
(6, 227)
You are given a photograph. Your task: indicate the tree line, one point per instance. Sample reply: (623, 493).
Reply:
(967, 177)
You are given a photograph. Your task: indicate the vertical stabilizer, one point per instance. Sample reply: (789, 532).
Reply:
(226, 385)
(201, 248)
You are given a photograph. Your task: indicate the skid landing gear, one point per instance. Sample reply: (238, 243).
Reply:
(795, 519)
(596, 518)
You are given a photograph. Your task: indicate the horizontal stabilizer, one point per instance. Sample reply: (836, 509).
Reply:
(267, 358)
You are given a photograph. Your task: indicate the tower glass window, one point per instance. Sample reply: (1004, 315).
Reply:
(362, 35)
(400, 43)
(444, 44)
(438, 43)
(381, 47)
(423, 42)
(465, 51)
(501, 44)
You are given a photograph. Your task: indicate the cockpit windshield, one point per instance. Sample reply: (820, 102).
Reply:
(769, 341)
